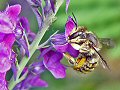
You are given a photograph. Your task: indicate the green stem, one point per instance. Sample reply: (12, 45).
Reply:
(34, 45)
(46, 42)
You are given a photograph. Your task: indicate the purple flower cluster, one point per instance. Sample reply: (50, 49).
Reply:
(16, 30)
(60, 43)
(33, 77)
(12, 29)
(51, 60)
(7, 27)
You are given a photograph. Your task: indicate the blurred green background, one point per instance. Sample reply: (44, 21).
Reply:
(100, 16)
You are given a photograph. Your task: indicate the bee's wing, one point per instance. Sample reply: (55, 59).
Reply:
(102, 61)
(107, 41)
(104, 64)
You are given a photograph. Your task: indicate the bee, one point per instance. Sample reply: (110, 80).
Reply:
(82, 64)
(89, 46)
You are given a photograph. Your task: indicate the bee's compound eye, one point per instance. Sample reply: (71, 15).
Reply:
(92, 38)
(83, 35)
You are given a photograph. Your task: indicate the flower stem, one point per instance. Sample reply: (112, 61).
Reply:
(46, 42)
(34, 45)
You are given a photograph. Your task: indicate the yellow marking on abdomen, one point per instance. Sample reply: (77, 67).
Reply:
(80, 63)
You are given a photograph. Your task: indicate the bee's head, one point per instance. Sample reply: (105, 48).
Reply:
(81, 30)
(93, 38)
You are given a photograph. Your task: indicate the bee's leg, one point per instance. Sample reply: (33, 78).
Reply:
(86, 69)
(82, 70)
(70, 59)
(95, 64)
(90, 67)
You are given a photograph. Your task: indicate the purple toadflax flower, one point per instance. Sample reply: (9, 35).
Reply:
(26, 26)
(8, 19)
(3, 83)
(23, 34)
(12, 29)
(52, 63)
(60, 43)
(52, 58)
(31, 81)
(5, 52)
(8, 22)
(33, 77)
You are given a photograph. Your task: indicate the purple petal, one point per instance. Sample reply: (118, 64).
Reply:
(14, 11)
(22, 50)
(25, 24)
(52, 63)
(1, 36)
(44, 51)
(61, 48)
(39, 17)
(31, 36)
(14, 69)
(37, 82)
(13, 66)
(52, 5)
(37, 68)
(5, 63)
(47, 8)
(23, 43)
(35, 3)
(7, 25)
(31, 81)
(7, 44)
(59, 39)
(70, 25)
(59, 42)
(9, 39)
(8, 19)
(5, 52)
(18, 32)
(4, 49)
(72, 51)
(24, 70)
(67, 4)
(3, 85)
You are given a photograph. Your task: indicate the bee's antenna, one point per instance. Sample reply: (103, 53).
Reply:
(75, 20)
